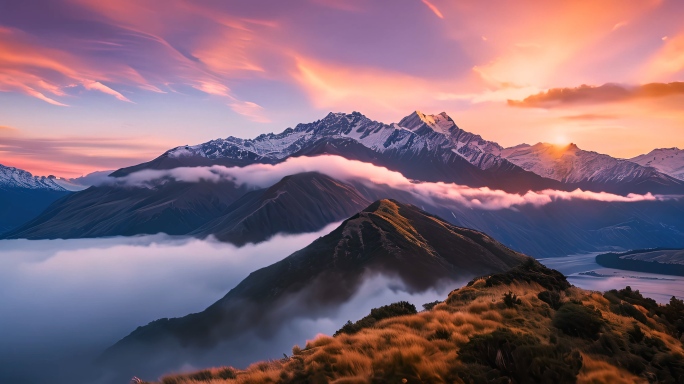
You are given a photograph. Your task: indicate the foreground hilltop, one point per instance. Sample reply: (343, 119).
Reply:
(525, 325)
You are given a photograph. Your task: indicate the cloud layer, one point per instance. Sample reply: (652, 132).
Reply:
(65, 301)
(265, 175)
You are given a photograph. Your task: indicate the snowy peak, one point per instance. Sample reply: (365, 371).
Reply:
(18, 178)
(570, 164)
(417, 132)
(441, 122)
(666, 160)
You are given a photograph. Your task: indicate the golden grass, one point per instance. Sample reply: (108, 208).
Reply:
(599, 372)
(426, 346)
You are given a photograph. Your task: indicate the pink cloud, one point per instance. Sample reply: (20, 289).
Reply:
(97, 86)
(264, 175)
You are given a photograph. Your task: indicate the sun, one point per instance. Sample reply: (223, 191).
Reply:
(559, 140)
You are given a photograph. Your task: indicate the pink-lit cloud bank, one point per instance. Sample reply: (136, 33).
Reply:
(265, 175)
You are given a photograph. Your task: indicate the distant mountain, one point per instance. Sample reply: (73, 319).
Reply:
(307, 202)
(669, 161)
(387, 237)
(304, 202)
(11, 177)
(590, 170)
(422, 147)
(24, 196)
(659, 260)
(173, 208)
(428, 148)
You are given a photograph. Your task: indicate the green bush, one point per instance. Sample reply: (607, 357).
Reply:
(400, 308)
(531, 271)
(429, 306)
(578, 320)
(518, 358)
(552, 298)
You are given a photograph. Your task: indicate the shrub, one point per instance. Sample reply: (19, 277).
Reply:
(578, 320)
(440, 334)
(400, 308)
(552, 298)
(531, 272)
(429, 306)
(636, 334)
(511, 299)
(627, 309)
(519, 357)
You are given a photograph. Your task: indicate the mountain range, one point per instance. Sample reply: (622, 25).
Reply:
(24, 196)
(666, 160)
(431, 148)
(421, 147)
(308, 201)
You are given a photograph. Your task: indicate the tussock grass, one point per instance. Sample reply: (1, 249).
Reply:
(475, 337)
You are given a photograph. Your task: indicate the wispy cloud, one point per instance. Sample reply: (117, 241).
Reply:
(433, 8)
(607, 93)
(252, 111)
(588, 116)
(73, 156)
(97, 86)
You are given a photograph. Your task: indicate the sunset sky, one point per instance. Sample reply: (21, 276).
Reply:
(88, 85)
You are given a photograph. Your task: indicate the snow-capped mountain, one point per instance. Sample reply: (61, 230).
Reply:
(427, 148)
(413, 133)
(18, 178)
(422, 147)
(479, 152)
(24, 196)
(570, 164)
(666, 160)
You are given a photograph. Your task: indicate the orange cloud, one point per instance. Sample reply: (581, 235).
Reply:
(669, 60)
(433, 8)
(73, 156)
(607, 93)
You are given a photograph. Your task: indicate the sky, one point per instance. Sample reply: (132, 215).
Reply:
(91, 85)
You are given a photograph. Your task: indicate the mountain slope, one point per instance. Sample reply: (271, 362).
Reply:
(304, 202)
(527, 325)
(24, 196)
(388, 237)
(173, 208)
(590, 170)
(307, 202)
(659, 260)
(669, 161)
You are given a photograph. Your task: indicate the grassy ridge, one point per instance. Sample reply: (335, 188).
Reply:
(526, 325)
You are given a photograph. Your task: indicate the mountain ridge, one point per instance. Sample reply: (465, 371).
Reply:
(447, 153)
(387, 238)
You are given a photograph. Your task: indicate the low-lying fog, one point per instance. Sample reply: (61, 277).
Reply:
(72, 298)
(584, 272)
(64, 301)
